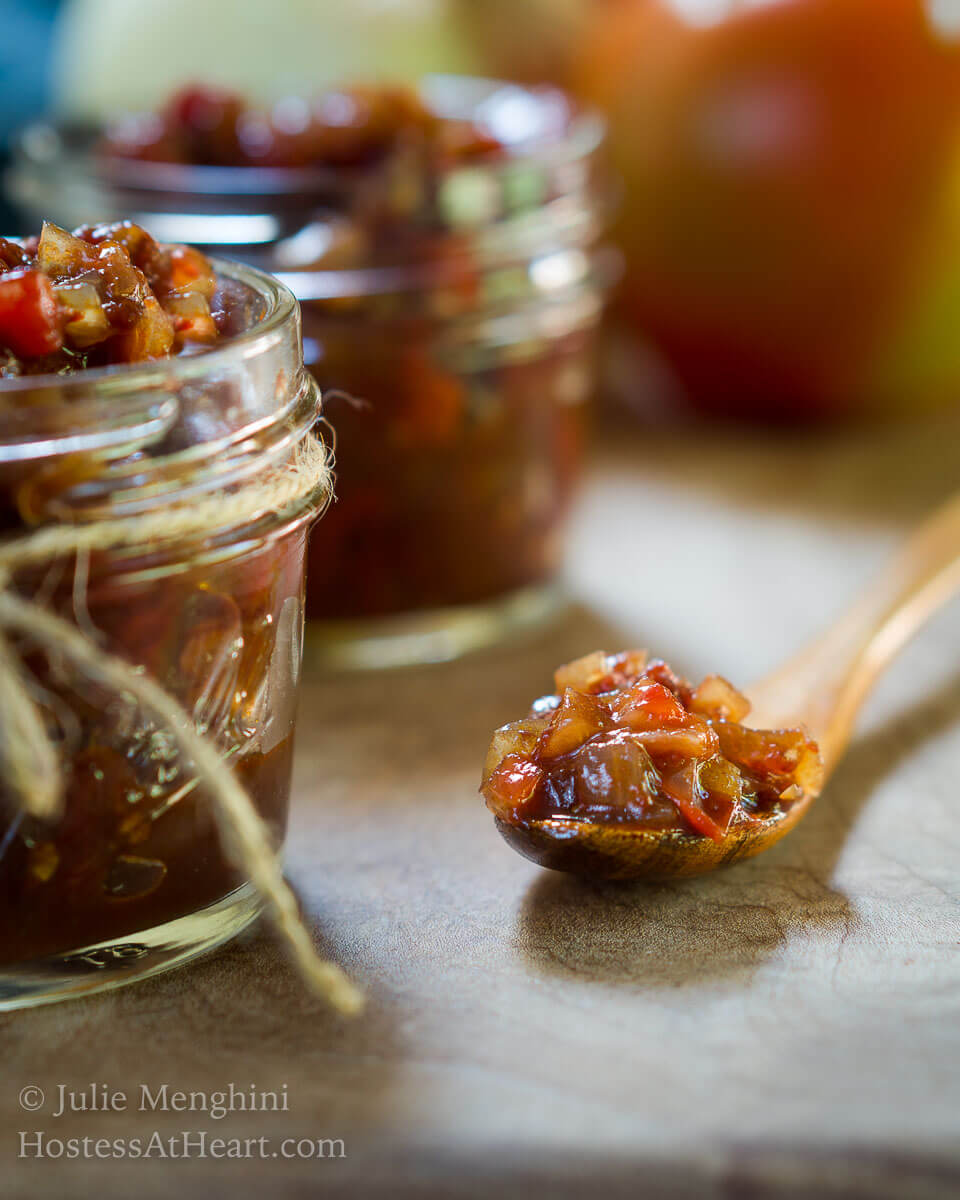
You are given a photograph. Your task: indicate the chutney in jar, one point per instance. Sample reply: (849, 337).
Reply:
(133, 376)
(443, 241)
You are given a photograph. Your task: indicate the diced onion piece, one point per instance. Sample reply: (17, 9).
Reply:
(577, 718)
(519, 737)
(615, 772)
(690, 741)
(582, 673)
(716, 697)
(720, 777)
(151, 336)
(191, 317)
(60, 253)
(86, 322)
(724, 785)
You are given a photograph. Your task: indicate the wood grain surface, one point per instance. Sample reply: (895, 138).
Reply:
(789, 1028)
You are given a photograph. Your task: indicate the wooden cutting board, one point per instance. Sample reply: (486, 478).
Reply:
(789, 1028)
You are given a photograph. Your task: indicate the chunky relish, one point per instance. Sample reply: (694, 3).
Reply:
(137, 844)
(213, 616)
(344, 127)
(101, 295)
(625, 741)
(454, 480)
(417, 225)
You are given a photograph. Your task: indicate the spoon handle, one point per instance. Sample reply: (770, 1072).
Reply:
(824, 686)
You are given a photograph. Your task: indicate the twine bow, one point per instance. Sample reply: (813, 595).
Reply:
(28, 760)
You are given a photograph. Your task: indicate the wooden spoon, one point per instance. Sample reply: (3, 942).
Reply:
(822, 688)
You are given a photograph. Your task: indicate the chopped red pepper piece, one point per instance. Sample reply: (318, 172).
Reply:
(682, 789)
(29, 316)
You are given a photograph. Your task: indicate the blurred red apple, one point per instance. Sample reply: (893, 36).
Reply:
(791, 219)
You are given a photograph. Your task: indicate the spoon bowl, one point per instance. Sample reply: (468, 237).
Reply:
(820, 690)
(625, 852)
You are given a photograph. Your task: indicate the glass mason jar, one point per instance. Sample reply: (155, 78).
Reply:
(454, 318)
(131, 879)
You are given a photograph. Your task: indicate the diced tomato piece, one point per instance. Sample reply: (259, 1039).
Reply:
(190, 271)
(29, 314)
(648, 705)
(658, 670)
(511, 785)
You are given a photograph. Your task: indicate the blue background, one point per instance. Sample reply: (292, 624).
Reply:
(27, 34)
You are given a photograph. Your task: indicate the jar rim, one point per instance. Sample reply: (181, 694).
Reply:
(280, 306)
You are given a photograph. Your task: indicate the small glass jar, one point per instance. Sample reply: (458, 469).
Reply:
(461, 343)
(131, 878)
(459, 433)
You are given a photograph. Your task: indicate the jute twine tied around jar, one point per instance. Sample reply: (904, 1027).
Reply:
(29, 762)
